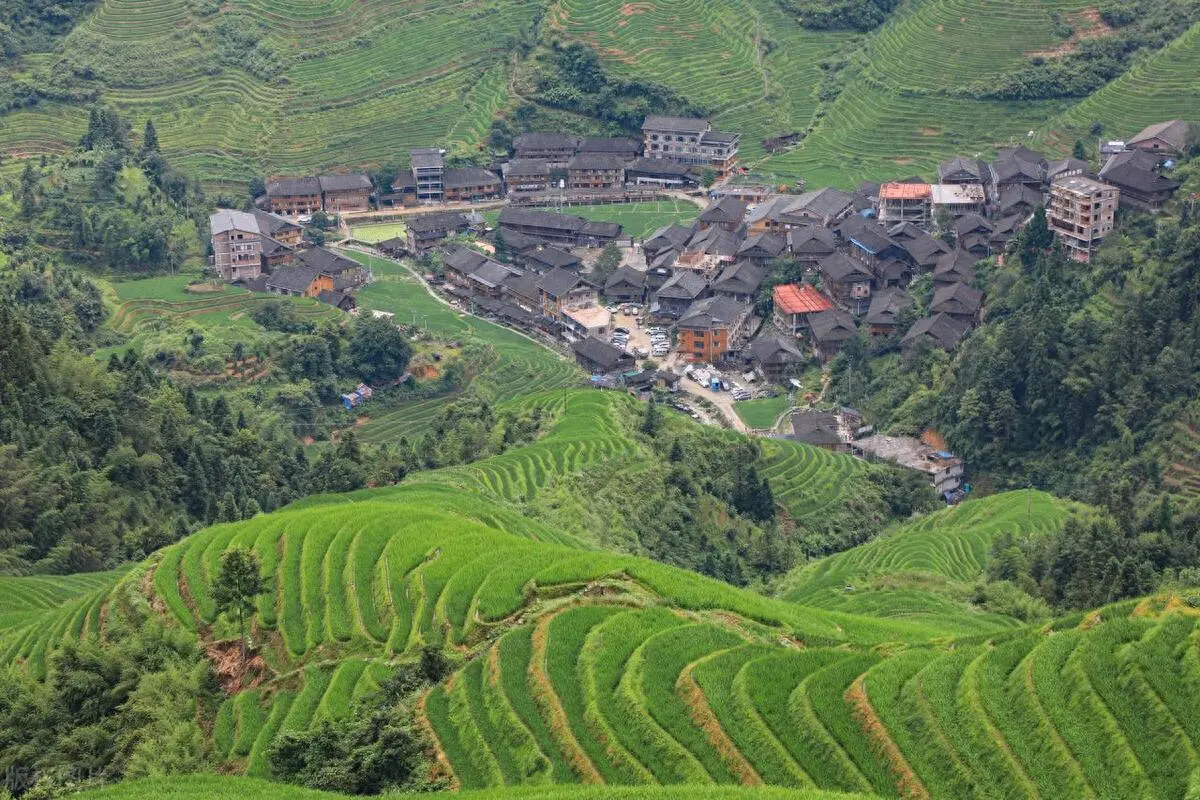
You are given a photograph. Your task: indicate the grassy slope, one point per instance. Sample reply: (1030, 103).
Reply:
(363, 81)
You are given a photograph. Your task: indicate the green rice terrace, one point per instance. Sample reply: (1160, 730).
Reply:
(361, 82)
(579, 665)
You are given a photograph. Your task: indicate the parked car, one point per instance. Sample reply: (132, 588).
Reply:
(621, 330)
(612, 309)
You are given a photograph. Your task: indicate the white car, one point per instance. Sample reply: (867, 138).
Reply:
(612, 309)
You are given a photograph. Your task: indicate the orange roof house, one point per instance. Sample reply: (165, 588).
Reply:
(794, 298)
(795, 303)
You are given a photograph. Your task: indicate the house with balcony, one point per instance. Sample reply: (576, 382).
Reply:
(1081, 214)
(690, 141)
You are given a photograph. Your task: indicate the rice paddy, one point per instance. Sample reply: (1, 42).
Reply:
(357, 84)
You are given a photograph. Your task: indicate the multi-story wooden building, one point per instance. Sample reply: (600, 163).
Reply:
(690, 141)
(470, 184)
(527, 175)
(1081, 213)
(294, 197)
(341, 193)
(596, 171)
(557, 148)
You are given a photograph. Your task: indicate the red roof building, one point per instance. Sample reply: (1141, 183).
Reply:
(794, 303)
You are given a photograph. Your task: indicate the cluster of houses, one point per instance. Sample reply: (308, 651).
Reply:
(263, 252)
(673, 153)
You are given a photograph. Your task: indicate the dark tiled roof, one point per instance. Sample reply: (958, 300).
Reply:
(956, 298)
(272, 247)
(461, 177)
(492, 273)
(840, 268)
(959, 164)
(776, 350)
(552, 258)
(714, 312)
(972, 222)
(872, 239)
(832, 325)
(924, 249)
(557, 282)
(1014, 196)
(958, 265)
(520, 242)
(1174, 132)
(542, 219)
(522, 285)
(327, 261)
(742, 277)
(600, 353)
(293, 279)
(545, 140)
(772, 244)
(812, 239)
(658, 167)
(942, 330)
(432, 223)
(623, 275)
(685, 284)
(333, 298)
(886, 305)
(727, 210)
(601, 230)
(715, 242)
(1137, 170)
(291, 187)
(273, 224)
(344, 183)
(426, 158)
(597, 161)
(669, 236)
(826, 202)
(526, 168)
(463, 259)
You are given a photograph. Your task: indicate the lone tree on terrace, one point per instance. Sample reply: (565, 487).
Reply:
(239, 582)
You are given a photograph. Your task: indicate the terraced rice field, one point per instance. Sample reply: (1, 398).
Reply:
(807, 479)
(521, 366)
(625, 694)
(358, 82)
(213, 787)
(38, 612)
(910, 572)
(1160, 87)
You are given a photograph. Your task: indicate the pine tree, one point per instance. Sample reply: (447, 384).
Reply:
(239, 582)
(149, 140)
(650, 418)
(1079, 151)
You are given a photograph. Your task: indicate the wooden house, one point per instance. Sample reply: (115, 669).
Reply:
(600, 358)
(556, 148)
(1135, 173)
(626, 285)
(810, 243)
(883, 315)
(294, 197)
(470, 184)
(941, 331)
(596, 172)
(795, 304)
(776, 357)
(341, 193)
(847, 281)
(675, 296)
(829, 331)
(740, 280)
(428, 230)
(958, 301)
(728, 214)
(1172, 137)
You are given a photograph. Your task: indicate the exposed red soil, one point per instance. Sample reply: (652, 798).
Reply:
(702, 715)
(236, 673)
(882, 743)
(544, 695)
(1087, 24)
(440, 765)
